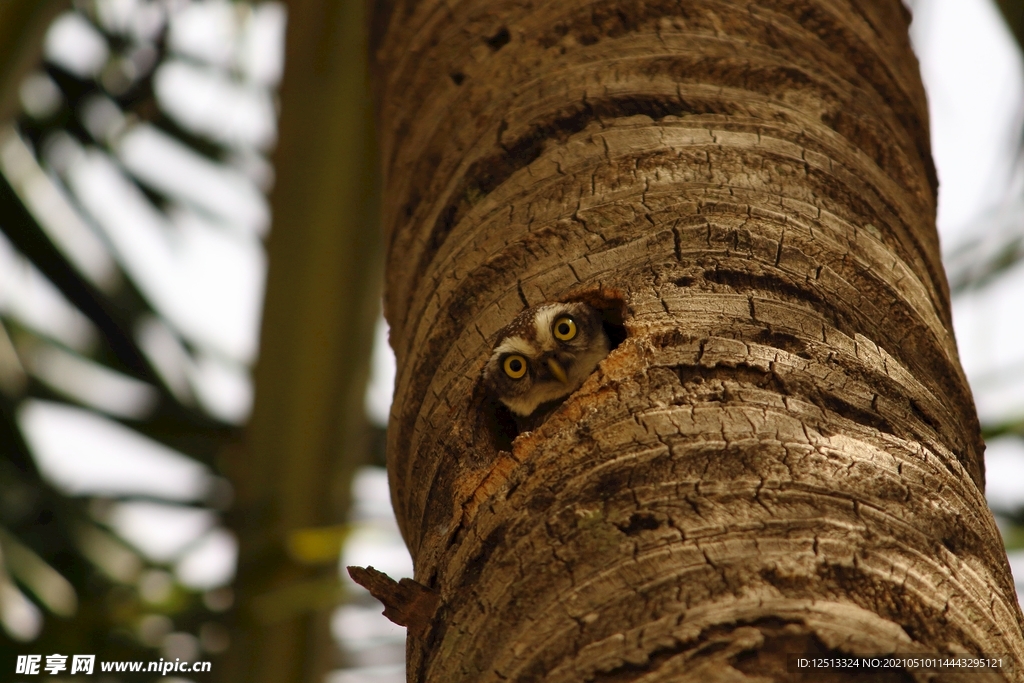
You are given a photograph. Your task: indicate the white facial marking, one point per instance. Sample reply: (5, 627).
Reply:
(514, 345)
(543, 322)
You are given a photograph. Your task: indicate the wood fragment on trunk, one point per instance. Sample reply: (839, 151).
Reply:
(406, 602)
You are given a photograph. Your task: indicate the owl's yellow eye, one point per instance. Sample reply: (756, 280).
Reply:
(565, 328)
(515, 366)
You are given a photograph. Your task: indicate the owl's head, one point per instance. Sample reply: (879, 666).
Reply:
(545, 354)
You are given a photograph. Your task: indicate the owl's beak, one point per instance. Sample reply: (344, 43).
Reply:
(557, 370)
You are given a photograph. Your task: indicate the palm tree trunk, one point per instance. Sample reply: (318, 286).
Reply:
(783, 454)
(308, 430)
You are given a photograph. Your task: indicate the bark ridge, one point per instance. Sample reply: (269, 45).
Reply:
(782, 454)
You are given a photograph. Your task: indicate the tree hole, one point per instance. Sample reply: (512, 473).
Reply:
(613, 310)
(499, 39)
(497, 423)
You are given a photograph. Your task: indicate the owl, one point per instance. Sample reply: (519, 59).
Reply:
(542, 356)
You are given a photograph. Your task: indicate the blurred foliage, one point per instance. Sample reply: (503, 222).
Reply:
(309, 430)
(22, 24)
(292, 467)
(997, 248)
(1013, 13)
(95, 593)
(1013, 534)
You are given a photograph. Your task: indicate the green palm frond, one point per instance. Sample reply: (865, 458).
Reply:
(119, 354)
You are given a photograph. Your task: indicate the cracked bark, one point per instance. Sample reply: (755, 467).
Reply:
(783, 454)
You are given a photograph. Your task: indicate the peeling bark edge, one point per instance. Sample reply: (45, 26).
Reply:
(406, 602)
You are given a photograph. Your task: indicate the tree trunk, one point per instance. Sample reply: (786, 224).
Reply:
(783, 454)
(308, 430)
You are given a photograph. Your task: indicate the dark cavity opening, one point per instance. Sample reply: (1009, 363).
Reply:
(499, 39)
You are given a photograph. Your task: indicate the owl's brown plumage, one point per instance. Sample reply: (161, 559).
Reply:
(542, 356)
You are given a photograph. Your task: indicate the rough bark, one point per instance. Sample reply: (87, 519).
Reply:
(783, 454)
